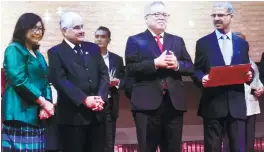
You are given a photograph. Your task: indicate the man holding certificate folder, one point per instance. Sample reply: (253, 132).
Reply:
(224, 104)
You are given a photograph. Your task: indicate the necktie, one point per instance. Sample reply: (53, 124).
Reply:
(79, 52)
(158, 37)
(226, 50)
(77, 48)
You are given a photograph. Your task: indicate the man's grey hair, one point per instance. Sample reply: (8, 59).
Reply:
(225, 5)
(67, 18)
(149, 5)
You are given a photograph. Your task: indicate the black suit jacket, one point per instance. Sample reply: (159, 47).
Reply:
(75, 79)
(141, 50)
(128, 85)
(116, 62)
(261, 69)
(217, 102)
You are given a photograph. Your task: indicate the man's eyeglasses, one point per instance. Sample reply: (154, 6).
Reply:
(219, 15)
(165, 15)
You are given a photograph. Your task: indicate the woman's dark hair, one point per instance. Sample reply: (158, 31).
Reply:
(26, 22)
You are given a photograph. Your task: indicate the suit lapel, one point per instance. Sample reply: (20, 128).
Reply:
(236, 51)
(71, 54)
(152, 44)
(86, 54)
(217, 58)
(42, 62)
(167, 45)
(111, 61)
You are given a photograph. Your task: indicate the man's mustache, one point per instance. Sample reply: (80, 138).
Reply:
(218, 22)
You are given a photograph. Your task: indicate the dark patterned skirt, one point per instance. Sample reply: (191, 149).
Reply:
(20, 137)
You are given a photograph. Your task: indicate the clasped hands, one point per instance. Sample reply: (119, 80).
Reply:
(47, 109)
(166, 60)
(94, 103)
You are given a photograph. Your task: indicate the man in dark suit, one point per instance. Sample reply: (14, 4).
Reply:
(261, 69)
(116, 72)
(128, 85)
(78, 72)
(222, 105)
(157, 60)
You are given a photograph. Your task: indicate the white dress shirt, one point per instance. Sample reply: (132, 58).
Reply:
(228, 53)
(251, 101)
(106, 60)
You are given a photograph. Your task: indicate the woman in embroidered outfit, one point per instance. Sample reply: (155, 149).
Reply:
(27, 96)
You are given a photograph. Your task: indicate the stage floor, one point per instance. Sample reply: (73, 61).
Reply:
(190, 133)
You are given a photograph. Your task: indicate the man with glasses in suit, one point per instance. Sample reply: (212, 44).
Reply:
(222, 106)
(157, 60)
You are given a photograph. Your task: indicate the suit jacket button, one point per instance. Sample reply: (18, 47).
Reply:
(90, 81)
(86, 69)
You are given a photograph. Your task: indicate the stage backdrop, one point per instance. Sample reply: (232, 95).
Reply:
(191, 20)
